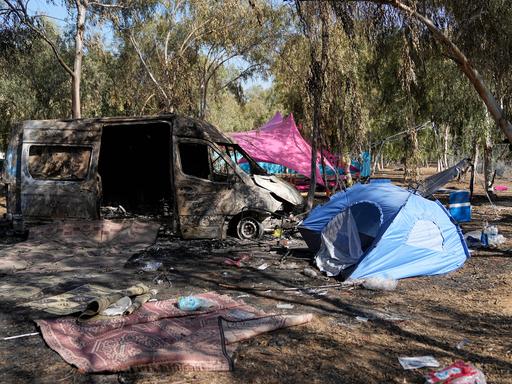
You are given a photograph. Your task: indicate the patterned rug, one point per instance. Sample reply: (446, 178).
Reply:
(160, 336)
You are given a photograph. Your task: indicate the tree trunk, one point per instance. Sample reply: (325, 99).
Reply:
(445, 146)
(488, 171)
(81, 9)
(348, 175)
(316, 85)
(316, 92)
(411, 163)
(202, 101)
(474, 153)
(464, 64)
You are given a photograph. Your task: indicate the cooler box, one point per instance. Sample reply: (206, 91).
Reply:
(459, 206)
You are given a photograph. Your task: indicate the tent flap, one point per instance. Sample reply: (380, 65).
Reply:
(341, 245)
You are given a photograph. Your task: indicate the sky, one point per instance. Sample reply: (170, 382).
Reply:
(59, 15)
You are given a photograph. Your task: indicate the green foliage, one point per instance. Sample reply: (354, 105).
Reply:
(385, 73)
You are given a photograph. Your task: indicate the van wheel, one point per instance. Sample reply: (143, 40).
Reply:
(248, 228)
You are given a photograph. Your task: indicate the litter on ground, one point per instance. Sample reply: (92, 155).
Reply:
(418, 362)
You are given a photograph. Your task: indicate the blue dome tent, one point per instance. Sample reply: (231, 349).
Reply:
(381, 230)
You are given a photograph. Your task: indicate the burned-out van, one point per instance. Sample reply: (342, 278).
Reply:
(71, 168)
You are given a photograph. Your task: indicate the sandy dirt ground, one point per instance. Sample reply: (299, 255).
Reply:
(422, 316)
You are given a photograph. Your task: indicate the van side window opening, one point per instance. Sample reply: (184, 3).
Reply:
(194, 160)
(200, 160)
(57, 162)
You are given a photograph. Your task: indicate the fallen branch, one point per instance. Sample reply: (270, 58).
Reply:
(241, 288)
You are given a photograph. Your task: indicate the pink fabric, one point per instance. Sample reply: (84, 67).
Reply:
(279, 142)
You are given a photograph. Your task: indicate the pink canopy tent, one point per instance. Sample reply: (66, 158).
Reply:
(279, 142)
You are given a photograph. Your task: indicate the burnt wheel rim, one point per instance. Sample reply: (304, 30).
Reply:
(248, 228)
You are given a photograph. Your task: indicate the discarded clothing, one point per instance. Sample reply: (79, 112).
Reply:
(90, 298)
(160, 335)
(100, 304)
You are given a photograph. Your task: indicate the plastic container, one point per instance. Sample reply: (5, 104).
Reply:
(193, 303)
(460, 206)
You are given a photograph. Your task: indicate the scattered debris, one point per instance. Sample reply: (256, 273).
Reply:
(113, 212)
(457, 373)
(151, 266)
(418, 362)
(490, 237)
(20, 336)
(117, 308)
(473, 239)
(99, 304)
(237, 260)
(378, 315)
(316, 292)
(278, 232)
(380, 284)
(348, 285)
(362, 319)
(461, 344)
(193, 303)
(291, 265)
(71, 301)
(229, 261)
(263, 266)
(309, 272)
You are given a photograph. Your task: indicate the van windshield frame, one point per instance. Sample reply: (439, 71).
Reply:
(238, 155)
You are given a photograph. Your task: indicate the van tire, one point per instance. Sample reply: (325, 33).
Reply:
(248, 228)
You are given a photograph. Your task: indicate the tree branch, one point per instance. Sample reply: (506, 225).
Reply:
(109, 6)
(241, 74)
(146, 67)
(24, 18)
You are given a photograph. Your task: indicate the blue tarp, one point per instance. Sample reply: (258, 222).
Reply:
(281, 169)
(401, 234)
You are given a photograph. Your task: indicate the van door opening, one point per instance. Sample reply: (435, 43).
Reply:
(134, 166)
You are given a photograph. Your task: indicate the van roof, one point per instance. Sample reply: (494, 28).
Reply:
(184, 126)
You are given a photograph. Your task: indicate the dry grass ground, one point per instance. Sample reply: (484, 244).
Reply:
(423, 316)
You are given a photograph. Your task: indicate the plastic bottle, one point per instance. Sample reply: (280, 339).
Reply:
(484, 237)
(492, 235)
(193, 303)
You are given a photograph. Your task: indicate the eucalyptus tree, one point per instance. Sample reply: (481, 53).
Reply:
(82, 11)
(184, 49)
(452, 25)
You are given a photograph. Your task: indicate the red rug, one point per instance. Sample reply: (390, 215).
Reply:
(159, 335)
